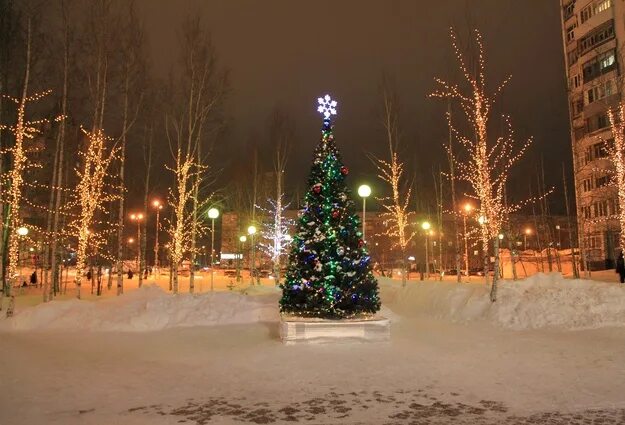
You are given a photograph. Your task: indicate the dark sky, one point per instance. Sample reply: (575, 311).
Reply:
(287, 53)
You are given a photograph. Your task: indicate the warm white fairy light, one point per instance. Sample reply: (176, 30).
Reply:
(90, 197)
(489, 161)
(23, 131)
(616, 155)
(396, 206)
(186, 171)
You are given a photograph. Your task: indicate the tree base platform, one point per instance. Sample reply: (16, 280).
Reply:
(309, 330)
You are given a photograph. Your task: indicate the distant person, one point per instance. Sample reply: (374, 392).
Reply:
(130, 274)
(33, 279)
(89, 275)
(620, 267)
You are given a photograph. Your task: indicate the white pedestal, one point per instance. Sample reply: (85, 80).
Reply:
(298, 330)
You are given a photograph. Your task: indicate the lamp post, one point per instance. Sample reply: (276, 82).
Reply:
(559, 240)
(251, 230)
(527, 232)
(426, 227)
(364, 191)
(130, 242)
(499, 270)
(138, 218)
(22, 232)
(242, 240)
(158, 206)
(213, 213)
(467, 209)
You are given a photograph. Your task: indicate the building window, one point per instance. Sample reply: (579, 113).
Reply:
(596, 37)
(602, 181)
(600, 91)
(570, 33)
(597, 122)
(586, 212)
(586, 185)
(600, 208)
(599, 150)
(614, 207)
(594, 9)
(599, 65)
(568, 10)
(577, 80)
(601, 6)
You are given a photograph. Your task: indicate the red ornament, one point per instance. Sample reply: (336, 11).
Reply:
(335, 214)
(317, 188)
(344, 170)
(360, 243)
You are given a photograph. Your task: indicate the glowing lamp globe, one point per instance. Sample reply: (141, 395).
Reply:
(22, 231)
(425, 225)
(213, 213)
(364, 191)
(242, 238)
(251, 230)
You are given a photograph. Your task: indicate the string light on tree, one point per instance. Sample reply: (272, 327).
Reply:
(486, 162)
(616, 155)
(329, 273)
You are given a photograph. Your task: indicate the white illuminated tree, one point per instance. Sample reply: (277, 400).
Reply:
(275, 238)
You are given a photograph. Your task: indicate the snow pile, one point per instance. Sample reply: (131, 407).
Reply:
(149, 309)
(540, 301)
(548, 300)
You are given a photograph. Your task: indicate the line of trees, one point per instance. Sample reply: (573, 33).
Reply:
(65, 157)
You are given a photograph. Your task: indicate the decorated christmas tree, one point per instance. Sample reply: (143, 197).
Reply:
(329, 273)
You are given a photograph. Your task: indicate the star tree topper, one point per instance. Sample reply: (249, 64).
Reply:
(327, 106)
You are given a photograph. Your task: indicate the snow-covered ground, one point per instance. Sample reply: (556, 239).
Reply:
(549, 351)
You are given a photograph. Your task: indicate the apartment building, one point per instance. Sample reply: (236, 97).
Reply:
(593, 32)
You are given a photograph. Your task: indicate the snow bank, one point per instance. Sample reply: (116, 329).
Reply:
(148, 309)
(540, 301)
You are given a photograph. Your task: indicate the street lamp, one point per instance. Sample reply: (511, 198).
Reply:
(559, 240)
(22, 232)
(426, 227)
(364, 191)
(251, 230)
(242, 240)
(213, 213)
(467, 210)
(158, 206)
(138, 218)
(528, 232)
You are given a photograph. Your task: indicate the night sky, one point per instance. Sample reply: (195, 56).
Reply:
(286, 53)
